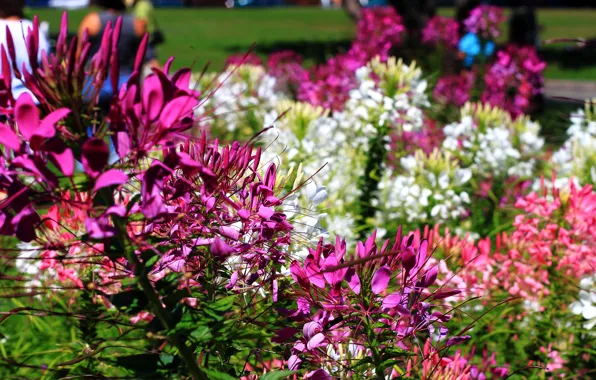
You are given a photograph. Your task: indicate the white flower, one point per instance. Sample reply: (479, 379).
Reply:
(316, 194)
(586, 305)
(462, 176)
(408, 163)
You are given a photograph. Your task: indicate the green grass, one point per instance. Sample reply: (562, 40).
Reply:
(209, 35)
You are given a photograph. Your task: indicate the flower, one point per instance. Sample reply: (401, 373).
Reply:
(454, 89)
(514, 79)
(485, 21)
(442, 31)
(586, 305)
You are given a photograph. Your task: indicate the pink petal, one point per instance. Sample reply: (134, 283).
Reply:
(221, 248)
(353, 280)
(265, 212)
(422, 253)
(65, 161)
(177, 109)
(315, 341)
(47, 128)
(429, 277)
(319, 374)
(314, 274)
(118, 210)
(337, 276)
(229, 232)
(110, 178)
(294, 362)
(391, 301)
(122, 144)
(310, 329)
(182, 78)
(153, 97)
(298, 274)
(95, 156)
(27, 116)
(381, 279)
(8, 138)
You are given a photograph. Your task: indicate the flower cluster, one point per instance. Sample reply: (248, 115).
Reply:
(454, 89)
(226, 232)
(492, 144)
(236, 101)
(441, 31)
(485, 21)
(576, 159)
(286, 68)
(586, 305)
(427, 188)
(346, 299)
(379, 30)
(514, 79)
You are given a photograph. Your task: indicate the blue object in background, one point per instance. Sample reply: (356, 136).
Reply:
(168, 3)
(376, 3)
(471, 46)
(37, 3)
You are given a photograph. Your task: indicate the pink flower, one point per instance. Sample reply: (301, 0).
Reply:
(286, 67)
(454, 89)
(514, 79)
(485, 21)
(244, 59)
(441, 31)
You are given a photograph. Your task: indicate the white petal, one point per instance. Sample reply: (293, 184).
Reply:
(589, 312)
(576, 307)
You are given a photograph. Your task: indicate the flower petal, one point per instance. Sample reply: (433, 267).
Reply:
(110, 178)
(47, 128)
(381, 279)
(27, 116)
(177, 109)
(8, 138)
(353, 280)
(95, 156)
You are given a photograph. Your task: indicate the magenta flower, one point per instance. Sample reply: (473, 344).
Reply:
(344, 294)
(244, 59)
(379, 30)
(286, 67)
(441, 31)
(514, 79)
(454, 89)
(485, 21)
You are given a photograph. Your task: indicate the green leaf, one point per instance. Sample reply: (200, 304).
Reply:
(166, 358)
(216, 375)
(363, 361)
(277, 375)
(202, 334)
(224, 304)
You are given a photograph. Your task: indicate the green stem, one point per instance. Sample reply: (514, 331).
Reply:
(370, 182)
(162, 314)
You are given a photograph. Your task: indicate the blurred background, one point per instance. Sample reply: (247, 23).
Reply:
(201, 32)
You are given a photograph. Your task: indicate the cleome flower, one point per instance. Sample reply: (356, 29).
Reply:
(576, 159)
(346, 297)
(492, 144)
(425, 188)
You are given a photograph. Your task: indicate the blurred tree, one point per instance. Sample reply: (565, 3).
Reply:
(353, 8)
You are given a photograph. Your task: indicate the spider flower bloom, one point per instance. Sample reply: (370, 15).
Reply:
(485, 21)
(346, 293)
(441, 31)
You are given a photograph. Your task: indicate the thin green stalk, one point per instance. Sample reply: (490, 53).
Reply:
(162, 314)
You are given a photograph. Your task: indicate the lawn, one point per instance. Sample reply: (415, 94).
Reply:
(199, 36)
